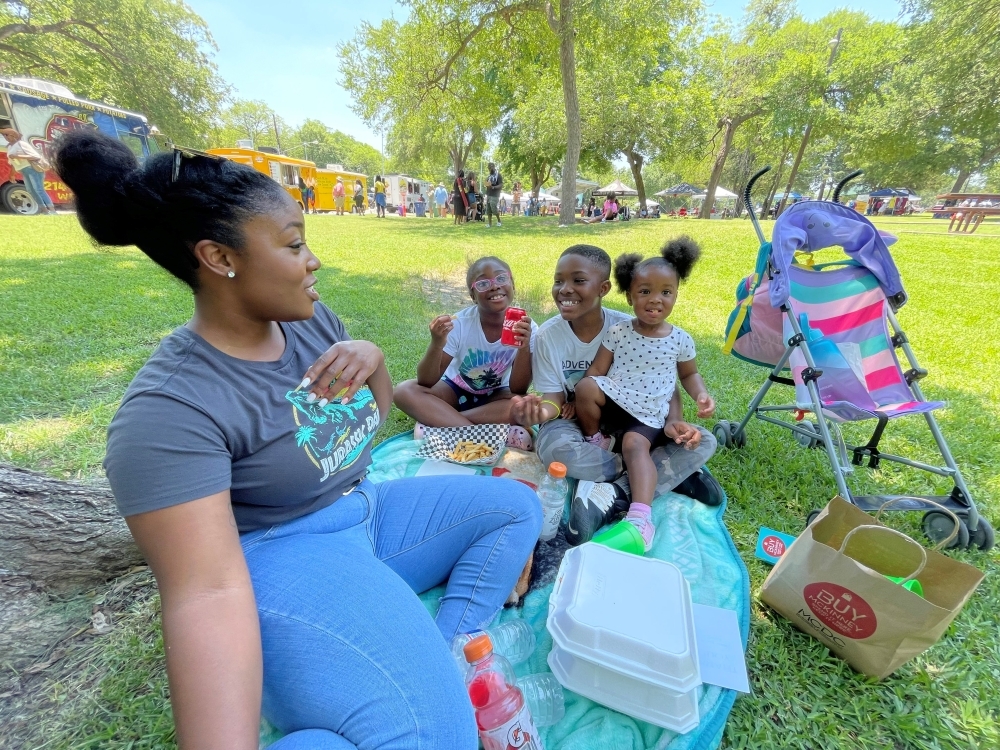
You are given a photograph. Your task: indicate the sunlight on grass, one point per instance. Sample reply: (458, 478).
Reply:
(78, 323)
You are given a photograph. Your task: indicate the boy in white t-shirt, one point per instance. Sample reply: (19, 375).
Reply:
(467, 376)
(562, 350)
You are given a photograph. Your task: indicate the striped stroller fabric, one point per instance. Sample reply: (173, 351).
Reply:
(843, 313)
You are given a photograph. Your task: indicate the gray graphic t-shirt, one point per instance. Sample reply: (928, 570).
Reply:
(196, 421)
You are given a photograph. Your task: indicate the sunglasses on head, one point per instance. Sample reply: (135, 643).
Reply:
(483, 285)
(180, 154)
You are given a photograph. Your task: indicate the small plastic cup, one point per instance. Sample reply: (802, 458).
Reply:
(622, 536)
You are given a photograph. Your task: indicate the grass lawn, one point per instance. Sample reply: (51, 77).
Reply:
(76, 323)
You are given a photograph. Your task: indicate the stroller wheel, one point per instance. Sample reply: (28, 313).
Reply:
(723, 433)
(808, 442)
(739, 438)
(812, 516)
(983, 537)
(938, 526)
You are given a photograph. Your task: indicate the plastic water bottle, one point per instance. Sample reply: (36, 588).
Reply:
(502, 715)
(513, 640)
(552, 492)
(545, 699)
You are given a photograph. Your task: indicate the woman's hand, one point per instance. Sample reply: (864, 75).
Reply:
(342, 370)
(441, 326)
(683, 433)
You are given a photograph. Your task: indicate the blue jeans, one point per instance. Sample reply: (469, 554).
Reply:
(352, 659)
(35, 183)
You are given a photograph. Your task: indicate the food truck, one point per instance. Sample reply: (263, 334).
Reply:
(327, 178)
(402, 189)
(42, 111)
(284, 170)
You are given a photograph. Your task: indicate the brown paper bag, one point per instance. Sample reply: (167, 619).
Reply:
(831, 584)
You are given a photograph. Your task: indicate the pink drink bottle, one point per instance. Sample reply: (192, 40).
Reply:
(502, 715)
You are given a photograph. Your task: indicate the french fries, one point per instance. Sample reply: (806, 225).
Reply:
(468, 450)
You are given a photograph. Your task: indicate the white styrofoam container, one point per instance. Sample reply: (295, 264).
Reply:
(641, 700)
(626, 613)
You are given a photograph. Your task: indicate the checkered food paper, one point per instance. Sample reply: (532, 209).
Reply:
(439, 442)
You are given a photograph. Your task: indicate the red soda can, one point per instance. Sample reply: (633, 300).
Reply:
(512, 315)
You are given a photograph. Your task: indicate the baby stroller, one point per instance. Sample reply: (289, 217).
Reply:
(834, 326)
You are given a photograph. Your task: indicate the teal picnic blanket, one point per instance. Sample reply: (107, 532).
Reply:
(690, 535)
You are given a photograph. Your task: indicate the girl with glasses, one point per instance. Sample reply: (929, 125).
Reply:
(467, 376)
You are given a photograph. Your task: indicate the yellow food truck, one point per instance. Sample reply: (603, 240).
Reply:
(327, 178)
(284, 170)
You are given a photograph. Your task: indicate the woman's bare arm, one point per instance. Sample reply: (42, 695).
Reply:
(210, 627)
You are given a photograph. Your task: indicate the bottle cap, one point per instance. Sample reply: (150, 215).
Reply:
(478, 648)
(557, 470)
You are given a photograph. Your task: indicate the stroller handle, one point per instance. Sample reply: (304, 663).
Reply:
(843, 182)
(749, 203)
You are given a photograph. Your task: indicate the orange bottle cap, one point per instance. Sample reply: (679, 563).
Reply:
(557, 470)
(478, 648)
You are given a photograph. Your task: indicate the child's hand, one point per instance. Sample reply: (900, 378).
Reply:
(522, 332)
(526, 410)
(706, 405)
(569, 410)
(683, 433)
(441, 326)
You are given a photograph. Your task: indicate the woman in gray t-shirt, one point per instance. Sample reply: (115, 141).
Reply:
(238, 458)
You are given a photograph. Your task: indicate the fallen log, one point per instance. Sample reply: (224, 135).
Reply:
(57, 539)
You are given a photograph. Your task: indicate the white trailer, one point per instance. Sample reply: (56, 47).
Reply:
(402, 189)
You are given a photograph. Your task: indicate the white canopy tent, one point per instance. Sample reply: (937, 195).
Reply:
(546, 198)
(616, 188)
(581, 186)
(720, 193)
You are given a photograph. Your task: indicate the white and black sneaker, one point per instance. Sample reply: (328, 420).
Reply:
(594, 505)
(702, 487)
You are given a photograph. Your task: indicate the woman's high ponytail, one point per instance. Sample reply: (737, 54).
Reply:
(120, 202)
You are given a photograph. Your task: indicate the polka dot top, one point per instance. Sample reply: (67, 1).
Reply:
(644, 373)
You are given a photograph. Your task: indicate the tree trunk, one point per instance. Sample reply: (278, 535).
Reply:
(567, 67)
(795, 169)
(458, 156)
(769, 201)
(57, 539)
(729, 125)
(963, 176)
(635, 164)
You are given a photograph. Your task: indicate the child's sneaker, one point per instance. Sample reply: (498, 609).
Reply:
(518, 437)
(640, 516)
(594, 505)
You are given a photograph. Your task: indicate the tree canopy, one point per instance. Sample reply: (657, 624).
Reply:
(152, 56)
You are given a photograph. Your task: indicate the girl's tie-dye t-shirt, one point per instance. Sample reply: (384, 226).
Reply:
(477, 365)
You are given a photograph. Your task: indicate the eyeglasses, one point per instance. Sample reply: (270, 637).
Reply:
(180, 154)
(484, 285)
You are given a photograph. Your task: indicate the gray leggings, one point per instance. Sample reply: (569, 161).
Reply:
(561, 440)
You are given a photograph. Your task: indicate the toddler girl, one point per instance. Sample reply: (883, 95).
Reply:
(632, 379)
(467, 375)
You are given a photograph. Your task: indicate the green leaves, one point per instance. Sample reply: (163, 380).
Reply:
(153, 56)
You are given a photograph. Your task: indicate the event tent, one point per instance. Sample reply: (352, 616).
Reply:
(895, 193)
(581, 186)
(720, 192)
(616, 188)
(679, 191)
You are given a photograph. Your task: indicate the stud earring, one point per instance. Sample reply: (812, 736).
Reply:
(231, 274)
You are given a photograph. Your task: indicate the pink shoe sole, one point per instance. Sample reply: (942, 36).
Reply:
(518, 437)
